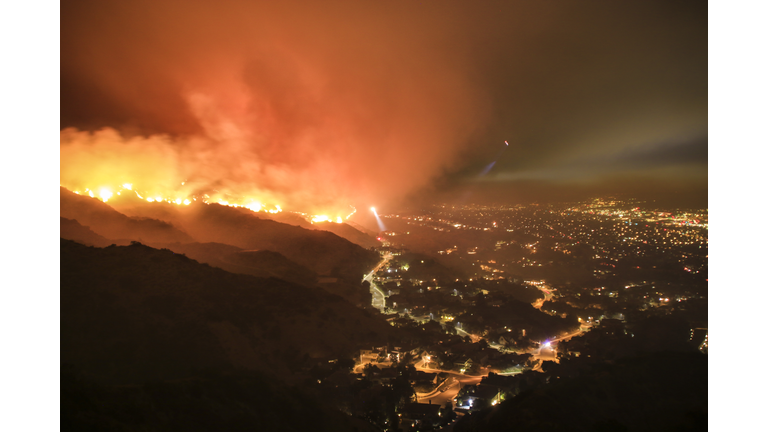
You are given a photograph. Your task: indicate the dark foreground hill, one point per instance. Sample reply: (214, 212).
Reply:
(133, 313)
(663, 391)
(263, 263)
(153, 340)
(266, 263)
(211, 401)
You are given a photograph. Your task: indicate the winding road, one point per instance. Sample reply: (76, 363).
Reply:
(378, 296)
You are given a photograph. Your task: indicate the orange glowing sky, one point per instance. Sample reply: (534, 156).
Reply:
(319, 106)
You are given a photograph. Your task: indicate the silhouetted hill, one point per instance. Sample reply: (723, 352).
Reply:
(211, 402)
(72, 230)
(659, 392)
(108, 222)
(274, 264)
(236, 260)
(267, 264)
(288, 218)
(132, 314)
(362, 229)
(320, 251)
(355, 234)
(348, 232)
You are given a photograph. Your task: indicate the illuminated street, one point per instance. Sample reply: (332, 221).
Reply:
(450, 388)
(522, 185)
(378, 297)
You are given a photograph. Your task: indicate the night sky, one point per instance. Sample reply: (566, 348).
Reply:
(319, 105)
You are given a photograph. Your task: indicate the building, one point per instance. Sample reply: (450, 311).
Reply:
(479, 396)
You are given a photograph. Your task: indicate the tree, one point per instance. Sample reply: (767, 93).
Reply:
(345, 364)
(370, 369)
(450, 327)
(447, 413)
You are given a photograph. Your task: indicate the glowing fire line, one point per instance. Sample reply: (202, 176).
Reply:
(105, 193)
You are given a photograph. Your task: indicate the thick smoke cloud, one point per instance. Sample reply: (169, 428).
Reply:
(317, 105)
(313, 107)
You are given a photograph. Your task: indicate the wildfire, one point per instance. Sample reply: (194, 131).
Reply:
(324, 218)
(106, 192)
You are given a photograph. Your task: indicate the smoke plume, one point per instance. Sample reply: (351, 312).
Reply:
(312, 107)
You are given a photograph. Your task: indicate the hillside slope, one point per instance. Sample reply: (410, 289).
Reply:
(263, 263)
(664, 391)
(320, 251)
(108, 222)
(348, 232)
(72, 230)
(130, 314)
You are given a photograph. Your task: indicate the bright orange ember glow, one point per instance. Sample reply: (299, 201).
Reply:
(106, 192)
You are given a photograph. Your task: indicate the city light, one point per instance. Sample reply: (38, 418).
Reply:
(210, 242)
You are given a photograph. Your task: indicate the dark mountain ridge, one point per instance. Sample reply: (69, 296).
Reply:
(348, 232)
(108, 222)
(261, 263)
(72, 230)
(320, 251)
(130, 314)
(661, 391)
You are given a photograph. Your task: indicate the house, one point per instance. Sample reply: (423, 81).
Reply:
(479, 396)
(368, 356)
(424, 376)
(384, 376)
(507, 340)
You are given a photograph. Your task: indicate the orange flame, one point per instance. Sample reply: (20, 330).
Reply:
(106, 192)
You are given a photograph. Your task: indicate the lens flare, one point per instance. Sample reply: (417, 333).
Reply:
(378, 220)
